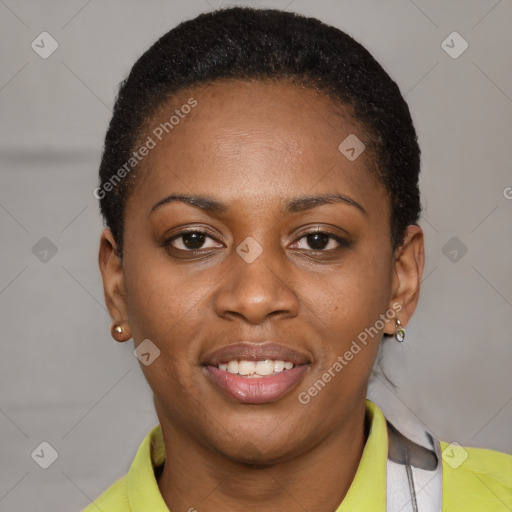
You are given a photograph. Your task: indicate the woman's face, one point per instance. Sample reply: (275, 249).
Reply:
(246, 282)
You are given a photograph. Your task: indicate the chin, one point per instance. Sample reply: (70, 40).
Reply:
(254, 455)
(258, 448)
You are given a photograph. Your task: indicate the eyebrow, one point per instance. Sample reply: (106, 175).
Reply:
(298, 204)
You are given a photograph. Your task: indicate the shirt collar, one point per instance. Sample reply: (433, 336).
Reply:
(143, 491)
(366, 493)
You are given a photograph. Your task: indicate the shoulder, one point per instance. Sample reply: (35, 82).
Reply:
(476, 479)
(115, 498)
(137, 489)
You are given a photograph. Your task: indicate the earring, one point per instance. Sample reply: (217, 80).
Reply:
(117, 332)
(399, 331)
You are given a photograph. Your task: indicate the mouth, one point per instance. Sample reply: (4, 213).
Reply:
(256, 373)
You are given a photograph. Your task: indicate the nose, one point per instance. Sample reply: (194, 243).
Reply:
(256, 290)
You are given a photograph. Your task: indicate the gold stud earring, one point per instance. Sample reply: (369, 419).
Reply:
(116, 332)
(120, 333)
(399, 332)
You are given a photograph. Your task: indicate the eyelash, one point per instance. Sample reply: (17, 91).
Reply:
(343, 243)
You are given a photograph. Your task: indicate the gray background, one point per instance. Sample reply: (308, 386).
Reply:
(66, 382)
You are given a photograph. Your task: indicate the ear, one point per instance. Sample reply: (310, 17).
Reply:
(407, 273)
(113, 285)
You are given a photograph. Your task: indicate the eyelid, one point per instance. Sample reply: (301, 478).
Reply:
(325, 228)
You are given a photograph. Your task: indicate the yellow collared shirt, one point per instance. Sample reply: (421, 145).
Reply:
(482, 483)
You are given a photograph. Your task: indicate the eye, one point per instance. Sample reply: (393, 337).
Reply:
(190, 241)
(322, 241)
(193, 241)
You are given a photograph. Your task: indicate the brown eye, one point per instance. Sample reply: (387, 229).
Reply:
(318, 241)
(321, 241)
(191, 241)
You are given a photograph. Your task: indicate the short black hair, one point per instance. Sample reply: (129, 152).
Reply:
(259, 44)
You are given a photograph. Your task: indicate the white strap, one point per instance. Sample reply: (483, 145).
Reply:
(414, 472)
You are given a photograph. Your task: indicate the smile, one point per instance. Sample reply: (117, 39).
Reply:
(256, 368)
(243, 381)
(255, 373)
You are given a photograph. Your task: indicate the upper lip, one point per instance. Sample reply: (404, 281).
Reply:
(251, 351)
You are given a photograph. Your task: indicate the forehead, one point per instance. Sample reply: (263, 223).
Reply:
(258, 140)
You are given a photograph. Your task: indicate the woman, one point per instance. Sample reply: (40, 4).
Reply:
(259, 185)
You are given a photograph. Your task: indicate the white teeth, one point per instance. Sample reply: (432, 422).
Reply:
(246, 367)
(265, 367)
(233, 367)
(278, 366)
(256, 368)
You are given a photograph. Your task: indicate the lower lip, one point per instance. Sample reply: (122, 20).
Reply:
(257, 390)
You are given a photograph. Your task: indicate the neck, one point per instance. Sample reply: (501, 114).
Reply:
(316, 481)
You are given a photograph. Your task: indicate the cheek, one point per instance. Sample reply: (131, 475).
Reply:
(161, 301)
(165, 308)
(346, 308)
(168, 304)
(351, 295)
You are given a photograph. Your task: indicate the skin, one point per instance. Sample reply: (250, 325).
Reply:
(253, 146)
